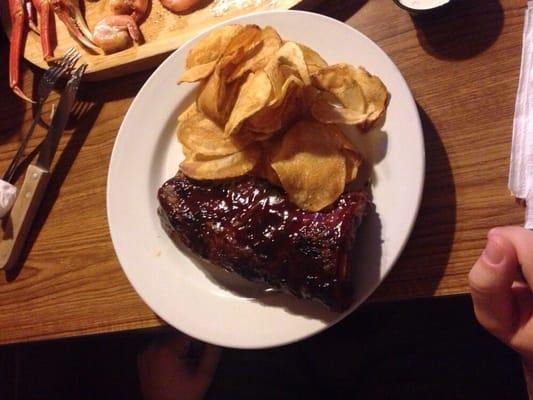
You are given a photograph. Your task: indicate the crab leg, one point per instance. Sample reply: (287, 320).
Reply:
(18, 33)
(31, 17)
(69, 13)
(46, 20)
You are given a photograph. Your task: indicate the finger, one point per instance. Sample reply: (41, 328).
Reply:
(522, 241)
(490, 280)
(209, 361)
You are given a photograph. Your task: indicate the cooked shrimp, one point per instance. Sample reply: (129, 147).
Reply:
(136, 8)
(115, 33)
(179, 6)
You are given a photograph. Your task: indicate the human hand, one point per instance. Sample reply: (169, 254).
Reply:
(503, 300)
(501, 283)
(169, 369)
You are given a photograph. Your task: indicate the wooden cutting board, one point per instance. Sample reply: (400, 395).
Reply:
(163, 32)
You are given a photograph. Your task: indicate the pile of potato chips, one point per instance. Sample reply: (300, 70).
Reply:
(273, 107)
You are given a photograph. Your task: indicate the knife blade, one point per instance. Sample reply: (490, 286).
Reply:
(17, 226)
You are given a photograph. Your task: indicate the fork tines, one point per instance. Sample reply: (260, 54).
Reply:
(58, 68)
(56, 71)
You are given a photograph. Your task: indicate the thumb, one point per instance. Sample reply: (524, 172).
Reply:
(490, 281)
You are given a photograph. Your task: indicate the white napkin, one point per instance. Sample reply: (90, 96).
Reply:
(521, 171)
(8, 194)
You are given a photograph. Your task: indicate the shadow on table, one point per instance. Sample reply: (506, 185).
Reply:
(340, 10)
(83, 118)
(123, 87)
(461, 30)
(425, 257)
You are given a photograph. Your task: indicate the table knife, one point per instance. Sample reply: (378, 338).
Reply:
(17, 226)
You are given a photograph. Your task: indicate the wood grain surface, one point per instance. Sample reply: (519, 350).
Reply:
(163, 32)
(462, 65)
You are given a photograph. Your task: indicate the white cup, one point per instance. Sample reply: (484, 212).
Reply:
(421, 6)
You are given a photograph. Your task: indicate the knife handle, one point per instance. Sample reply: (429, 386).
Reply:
(18, 223)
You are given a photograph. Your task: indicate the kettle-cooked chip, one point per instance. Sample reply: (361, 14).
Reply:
(216, 99)
(353, 162)
(375, 94)
(274, 117)
(188, 112)
(312, 59)
(253, 96)
(208, 97)
(271, 42)
(310, 165)
(341, 81)
(198, 72)
(329, 113)
(212, 46)
(273, 107)
(229, 166)
(244, 44)
(270, 148)
(203, 136)
(353, 158)
(288, 60)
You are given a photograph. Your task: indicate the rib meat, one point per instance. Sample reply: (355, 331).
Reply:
(248, 226)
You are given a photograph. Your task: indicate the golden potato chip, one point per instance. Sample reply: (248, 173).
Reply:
(292, 55)
(216, 99)
(271, 42)
(308, 96)
(287, 62)
(375, 93)
(329, 113)
(208, 97)
(277, 80)
(198, 72)
(267, 120)
(188, 153)
(229, 166)
(353, 158)
(253, 87)
(212, 46)
(312, 59)
(353, 162)
(231, 94)
(188, 112)
(253, 96)
(274, 117)
(244, 44)
(202, 136)
(341, 81)
(270, 147)
(290, 84)
(266, 171)
(280, 110)
(310, 165)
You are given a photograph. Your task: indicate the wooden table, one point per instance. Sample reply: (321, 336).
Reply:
(462, 66)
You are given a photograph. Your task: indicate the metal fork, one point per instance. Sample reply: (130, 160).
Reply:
(46, 85)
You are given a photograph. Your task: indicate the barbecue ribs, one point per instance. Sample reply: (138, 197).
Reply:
(248, 226)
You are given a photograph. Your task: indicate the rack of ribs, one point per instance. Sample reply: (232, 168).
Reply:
(248, 226)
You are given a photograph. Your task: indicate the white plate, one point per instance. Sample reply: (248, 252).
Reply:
(213, 305)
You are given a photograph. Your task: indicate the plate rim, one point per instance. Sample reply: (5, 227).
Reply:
(416, 125)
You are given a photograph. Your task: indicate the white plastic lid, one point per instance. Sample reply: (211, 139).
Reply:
(423, 4)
